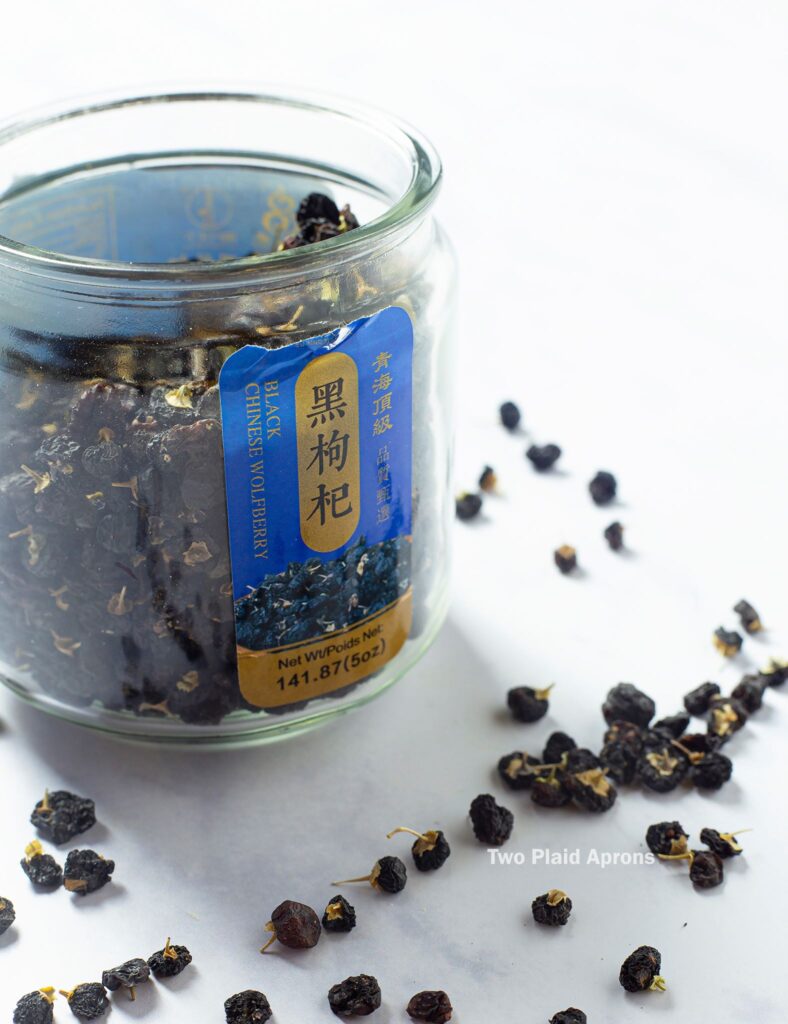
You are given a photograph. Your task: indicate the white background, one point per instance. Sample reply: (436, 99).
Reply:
(616, 189)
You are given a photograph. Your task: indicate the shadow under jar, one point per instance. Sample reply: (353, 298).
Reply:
(140, 252)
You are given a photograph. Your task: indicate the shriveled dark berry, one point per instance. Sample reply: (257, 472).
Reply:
(726, 716)
(510, 415)
(35, 1007)
(614, 535)
(698, 744)
(492, 823)
(627, 702)
(317, 206)
(126, 975)
(514, 769)
(591, 790)
(88, 1001)
(712, 772)
(667, 838)
(628, 733)
(727, 641)
(749, 618)
(553, 908)
(488, 481)
(619, 761)
(468, 506)
(7, 914)
(339, 915)
(41, 868)
(558, 744)
(706, 871)
(357, 996)
(527, 704)
(549, 791)
(431, 849)
(543, 457)
(581, 759)
(724, 844)
(565, 558)
(663, 768)
(247, 1007)
(673, 725)
(295, 925)
(86, 871)
(640, 970)
(749, 692)
(570, 1016)
(103, 461)
(776, 672)
(60, 816)
(603, 488)
(388, 874)
(434, 1007)
(170, 961)
(697, 701)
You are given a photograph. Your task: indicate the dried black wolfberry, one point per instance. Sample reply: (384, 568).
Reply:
(614, 535)
(749, 692)
(543, 457)
(727, 641)
(357, 996)
(558, 744)
(640, 971)
(87, 1001)
(619, 761)
(317, 206)
(86, 871)
(468, 506)
(389, 875)
(663, 768)
(7, 914)
(339, 915)
(776, 672)
(548, 790)
(673, 725)
(247, 1007)
(627, 702)
(432, 1006)
(565, 558)
(553, 908)
(492, 823)
(570, 1016)
(169, 961)
(510, 415)
(41, 868)
(666, 837)
(293, 924)
(36, 1007)
(591, 790)
(697, 744)
(749, 618)
(712, 771)
(488, 481)
(126, 975)
(603, 488)
(726, 716)
(527, 704)
(431, 849)
(722, 843)
(705, 867)
(60, 816)
(697, 701)
(517, 769)
(580, 759)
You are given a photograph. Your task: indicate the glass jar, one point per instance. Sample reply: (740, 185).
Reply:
(146, 588)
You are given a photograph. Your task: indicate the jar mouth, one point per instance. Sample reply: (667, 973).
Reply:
(419, 170)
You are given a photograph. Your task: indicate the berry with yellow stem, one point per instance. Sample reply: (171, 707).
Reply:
(431, 849)
(640, 971)
(388, 874)
(87, 1001)
(293, 924)
(170, 961)
(705, 871)
(528, 704)
(722, 843)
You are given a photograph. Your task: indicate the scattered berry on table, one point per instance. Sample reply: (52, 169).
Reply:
(619, 761)
(468, 506)
(712, 771)
(776, 672)
(339, 915)
(248, 1007)
(553, 908)
(126, 975)
(570, 1016)
(548, 790)
(697, 701)
(580, 759)
(749, 692)
(673, 725)
(603, 488)
(727, 641)
(527, 704)
(492, 823)
(357, 996)
(388, 874)
(726, 716)
(543, 457)
(36, 1007)
(41, 868)
(87, 1001)
(517, 769)
(86, 871)
(722, 843)
(663, 768)
(295, 925)
(434, 1007)
(431, 849)
(626, 702)
(749, 618)
(640, 971)
(60, 816)
(565, 558)
(170, 961)
(510, 415)
(558, 744)
(590, 790)
(705, 867)
(488, 481)
(667, 837)
(7, 914)
(614, 535)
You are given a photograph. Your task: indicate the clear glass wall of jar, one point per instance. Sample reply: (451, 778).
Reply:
(140, 248)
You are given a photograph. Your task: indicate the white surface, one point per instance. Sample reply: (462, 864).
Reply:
(616, 190)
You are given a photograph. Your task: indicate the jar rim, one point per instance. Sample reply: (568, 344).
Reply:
(421, 191)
